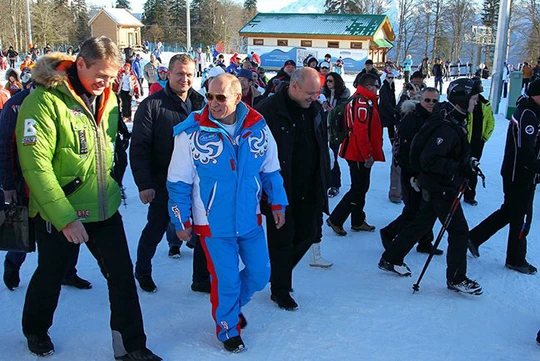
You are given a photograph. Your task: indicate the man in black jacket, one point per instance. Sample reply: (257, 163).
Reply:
(150, 154)
(283, 76)
(415, 115)
(520, 172)
(294, 117)
(444, 165)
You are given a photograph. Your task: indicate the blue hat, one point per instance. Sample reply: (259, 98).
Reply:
(244, 73)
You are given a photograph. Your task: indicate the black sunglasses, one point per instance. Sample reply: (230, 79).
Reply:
(219, 97)
(429, 100)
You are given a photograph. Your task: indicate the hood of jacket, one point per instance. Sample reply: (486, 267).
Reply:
(529, 103)
(408, 106)
(50, 69)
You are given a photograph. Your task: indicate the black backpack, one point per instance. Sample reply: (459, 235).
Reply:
(337, 127)
(120, 156)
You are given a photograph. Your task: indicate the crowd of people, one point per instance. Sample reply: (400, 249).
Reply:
(211, 164)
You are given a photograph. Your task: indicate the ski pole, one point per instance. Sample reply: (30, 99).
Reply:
(451, 212)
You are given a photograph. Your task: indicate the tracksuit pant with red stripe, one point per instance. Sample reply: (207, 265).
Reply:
(231, 289)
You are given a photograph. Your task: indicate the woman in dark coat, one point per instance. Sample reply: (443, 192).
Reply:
(336, 93)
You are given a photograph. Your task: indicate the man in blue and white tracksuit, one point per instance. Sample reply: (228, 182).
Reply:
(224, 159)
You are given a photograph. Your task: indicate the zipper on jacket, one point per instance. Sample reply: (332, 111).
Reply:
(101, 170)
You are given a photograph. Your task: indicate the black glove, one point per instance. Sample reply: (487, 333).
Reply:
(465, 170)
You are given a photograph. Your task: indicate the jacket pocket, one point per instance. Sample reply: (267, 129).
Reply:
(72, 186)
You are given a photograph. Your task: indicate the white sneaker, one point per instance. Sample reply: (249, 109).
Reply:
(315, 258)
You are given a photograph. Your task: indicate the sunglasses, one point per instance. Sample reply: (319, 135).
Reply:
(329, 81)
(429, 100)
(389, 77)
(219, 97)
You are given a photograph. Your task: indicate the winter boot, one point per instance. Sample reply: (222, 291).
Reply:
(525, 268)
(315, 258)
(365, 227)
(285, 301)
(143, 354)
(174, 252)
(77, 282)
(203, 287)
(235, 344)
(400, 269)
(147, 283)
(473, 249)
(40, 345)
(11, 275)
(338, 229)
(466, 286)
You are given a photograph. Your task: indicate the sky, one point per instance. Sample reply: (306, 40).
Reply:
(137, 6)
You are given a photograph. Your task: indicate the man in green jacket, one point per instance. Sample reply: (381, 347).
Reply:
(66, 132)
(480, 125)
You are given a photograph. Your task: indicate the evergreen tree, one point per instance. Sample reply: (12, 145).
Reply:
(82, 30)
(123, 4)
(250, 9)
(345, 7)
(490, 13)
(148, 16)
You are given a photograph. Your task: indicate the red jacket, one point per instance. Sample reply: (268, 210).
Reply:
(366, 134)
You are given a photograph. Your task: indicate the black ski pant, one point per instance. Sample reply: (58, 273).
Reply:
(354, 200)
(477, 148)
(412, 201)
(107, 243)
(517, 210)
(335, 173)
(435, 205)
(287, 245)
(158, 220)
(125, 98)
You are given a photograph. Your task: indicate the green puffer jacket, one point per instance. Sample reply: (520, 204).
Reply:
(488, 120)
(66, 155)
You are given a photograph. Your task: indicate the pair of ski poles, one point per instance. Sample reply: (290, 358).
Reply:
(446, 223)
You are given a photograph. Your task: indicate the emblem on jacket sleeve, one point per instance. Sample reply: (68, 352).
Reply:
(529, 129)
(439, 141)
(205, 149)
(258, 144)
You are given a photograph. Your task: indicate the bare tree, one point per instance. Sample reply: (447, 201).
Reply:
(459, 18)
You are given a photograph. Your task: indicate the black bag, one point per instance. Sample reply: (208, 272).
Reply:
(17, 233)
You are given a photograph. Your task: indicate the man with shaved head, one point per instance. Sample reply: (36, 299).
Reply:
(294, 116)
(224, 158)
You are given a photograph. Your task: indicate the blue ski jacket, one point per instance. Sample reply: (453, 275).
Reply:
(219, 180)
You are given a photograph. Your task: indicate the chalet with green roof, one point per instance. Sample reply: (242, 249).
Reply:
(353, 37)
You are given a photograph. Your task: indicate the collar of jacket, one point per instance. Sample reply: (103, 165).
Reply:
(529, 103)
(360, 90)
(283, 100)
(246, 117)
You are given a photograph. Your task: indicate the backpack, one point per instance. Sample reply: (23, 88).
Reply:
(337, 127)
(120, 156)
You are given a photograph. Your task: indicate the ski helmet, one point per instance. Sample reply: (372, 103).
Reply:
(460, 92)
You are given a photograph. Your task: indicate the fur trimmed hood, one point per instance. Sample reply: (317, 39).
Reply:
(408, 106)
(50, 69)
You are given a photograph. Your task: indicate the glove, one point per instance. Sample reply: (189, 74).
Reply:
(465, 170)
(368, 162)
(415, 184)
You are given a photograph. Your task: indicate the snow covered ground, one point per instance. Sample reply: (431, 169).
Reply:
(352, 311)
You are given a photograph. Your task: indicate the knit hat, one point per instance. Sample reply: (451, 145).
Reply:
(244, 73)
(534, 88)
(289, 62)
(215, 71)
(325, 64)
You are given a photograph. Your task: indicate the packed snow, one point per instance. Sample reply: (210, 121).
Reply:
(352, 311)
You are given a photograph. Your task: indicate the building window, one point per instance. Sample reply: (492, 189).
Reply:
(306, 43)
(333, 44)
(356, 45)
(258, 41)
(283, 42)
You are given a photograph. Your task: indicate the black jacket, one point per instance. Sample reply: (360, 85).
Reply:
(273, 83)
(279, 121)
(387, 105)
(152, 137)
(445, 150)
(414, 116)
(521, 161)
